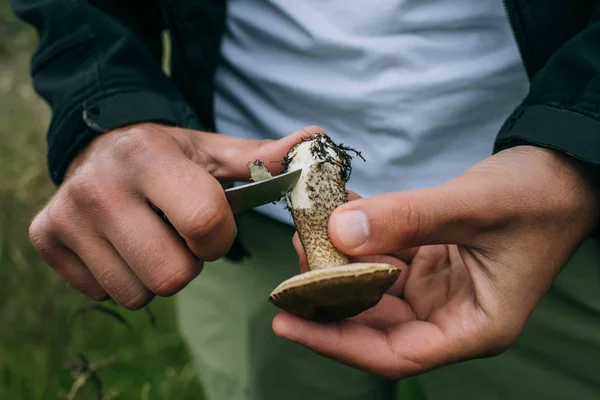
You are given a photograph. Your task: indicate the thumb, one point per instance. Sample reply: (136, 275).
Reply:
(391, 222)
(303, 261)
(229, 156)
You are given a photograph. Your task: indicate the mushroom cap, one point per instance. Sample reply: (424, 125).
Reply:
(335, 293)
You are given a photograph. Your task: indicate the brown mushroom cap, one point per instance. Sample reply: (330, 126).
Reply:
(332, 294)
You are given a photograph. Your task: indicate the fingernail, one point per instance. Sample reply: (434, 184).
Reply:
(352, 228)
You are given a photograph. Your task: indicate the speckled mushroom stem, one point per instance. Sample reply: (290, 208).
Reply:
(320, 190)
(327, 191)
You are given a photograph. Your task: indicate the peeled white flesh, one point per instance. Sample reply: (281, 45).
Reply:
(301, 157)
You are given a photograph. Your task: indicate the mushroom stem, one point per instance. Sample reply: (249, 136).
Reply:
(327, 193)
(319, 191)
(258, 171)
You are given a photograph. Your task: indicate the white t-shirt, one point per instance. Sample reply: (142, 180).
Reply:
(421, 88)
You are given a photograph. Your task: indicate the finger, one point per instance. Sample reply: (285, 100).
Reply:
(432, 283)
(194, 203)
(397, 288)
(111, 272)
(405, 255)
(343, 341)
(390, 311)
(441, 273)
(303, 263)
(154, 251)
(230, 155)
(394, 222)
(74, 272)
(403, 350)
(64, 262)
(353, 195)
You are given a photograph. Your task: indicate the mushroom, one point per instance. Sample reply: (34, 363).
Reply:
(258, 171)
(333, 289)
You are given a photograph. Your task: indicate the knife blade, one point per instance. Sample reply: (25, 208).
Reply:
(256, 194)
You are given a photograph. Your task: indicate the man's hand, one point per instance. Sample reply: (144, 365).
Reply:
(481, 250)
(101, 233)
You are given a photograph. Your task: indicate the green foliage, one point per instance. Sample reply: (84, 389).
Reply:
(410, 389)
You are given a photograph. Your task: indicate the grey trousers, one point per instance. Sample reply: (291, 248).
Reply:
(226, 320)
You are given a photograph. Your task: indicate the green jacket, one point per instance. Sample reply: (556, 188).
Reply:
(98, 65)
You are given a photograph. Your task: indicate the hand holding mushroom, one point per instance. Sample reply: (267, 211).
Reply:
(482, 250)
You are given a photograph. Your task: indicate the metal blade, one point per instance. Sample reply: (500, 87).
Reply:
(256, 194)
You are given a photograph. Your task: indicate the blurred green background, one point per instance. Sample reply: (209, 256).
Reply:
(54, 343)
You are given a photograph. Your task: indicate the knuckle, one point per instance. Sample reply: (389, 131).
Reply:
(38, 234)
(85, 188)
(57, 219)
(172, 283)
(90, 191)
(136, 145)
(408, 217)
(204, 222)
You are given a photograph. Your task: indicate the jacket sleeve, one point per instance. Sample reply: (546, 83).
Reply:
(562, 109)
(99, 66)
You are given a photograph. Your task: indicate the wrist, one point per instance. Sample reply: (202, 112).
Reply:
(99, 142)
(570, 177)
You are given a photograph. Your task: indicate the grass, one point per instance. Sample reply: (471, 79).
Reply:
(54, 343)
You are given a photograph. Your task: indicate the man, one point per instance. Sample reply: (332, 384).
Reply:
(421, 88)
